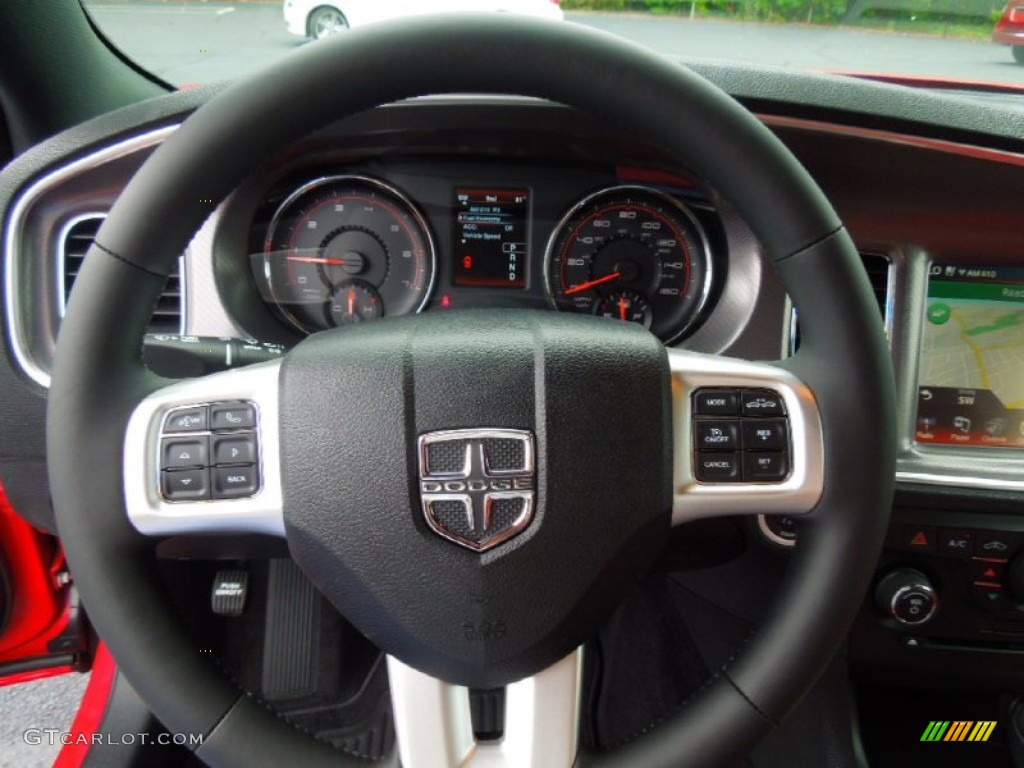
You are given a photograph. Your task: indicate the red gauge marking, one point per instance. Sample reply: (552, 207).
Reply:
(623, 307)
(351, 301)
(593, 283)
(317, 260)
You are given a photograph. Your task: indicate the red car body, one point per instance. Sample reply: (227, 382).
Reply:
(1010, 29)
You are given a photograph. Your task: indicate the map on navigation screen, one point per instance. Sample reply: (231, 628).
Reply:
(971, 377)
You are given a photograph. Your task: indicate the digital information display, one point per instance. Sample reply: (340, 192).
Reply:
(971, 379)
(490, 237)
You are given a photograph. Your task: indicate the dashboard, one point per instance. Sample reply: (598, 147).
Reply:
(450, 203)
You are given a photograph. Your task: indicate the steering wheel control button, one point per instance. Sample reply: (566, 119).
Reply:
(718, 467)
(187, 420)
(201, 467)
(717, 435)
(187, 485)
(711, 402)
(235, 482)
(761, 402)
(234, 450)
(759, 432)
(232, 416)
(763, 467)
(907, 596)
(765, 434)
(184, 454)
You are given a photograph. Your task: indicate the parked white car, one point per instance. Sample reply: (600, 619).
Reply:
(322, 18)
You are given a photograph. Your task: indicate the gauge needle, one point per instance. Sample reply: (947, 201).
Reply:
(623, 307)
(351, 301)
(317, 260)
(593, 283)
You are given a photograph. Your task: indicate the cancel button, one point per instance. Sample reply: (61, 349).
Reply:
(717, 467)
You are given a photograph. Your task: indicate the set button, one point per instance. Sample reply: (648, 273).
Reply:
(210, 452)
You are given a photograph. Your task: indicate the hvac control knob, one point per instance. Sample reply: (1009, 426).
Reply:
(908, 596)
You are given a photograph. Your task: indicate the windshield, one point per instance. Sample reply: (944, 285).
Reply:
(190, 41)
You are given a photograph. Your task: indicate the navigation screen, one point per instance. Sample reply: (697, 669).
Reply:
(490, 237)
(971, 381)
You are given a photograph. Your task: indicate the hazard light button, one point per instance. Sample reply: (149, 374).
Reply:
(918, 538)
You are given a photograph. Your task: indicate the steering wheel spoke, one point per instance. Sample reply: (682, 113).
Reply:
(202, 456)
(434, 727)
(747, 439)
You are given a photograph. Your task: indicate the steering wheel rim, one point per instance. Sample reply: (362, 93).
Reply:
(843, 360)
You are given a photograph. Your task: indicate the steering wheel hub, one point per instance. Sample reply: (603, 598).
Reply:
(395, 429)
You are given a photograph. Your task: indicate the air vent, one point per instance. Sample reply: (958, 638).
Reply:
(75, 241)
(879, 269)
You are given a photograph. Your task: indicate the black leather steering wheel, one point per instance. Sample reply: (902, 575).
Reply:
(350, 510)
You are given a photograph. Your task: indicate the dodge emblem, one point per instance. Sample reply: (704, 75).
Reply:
(477, 486)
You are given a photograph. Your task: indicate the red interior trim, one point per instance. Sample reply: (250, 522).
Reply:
(91, 711)
(40, 610)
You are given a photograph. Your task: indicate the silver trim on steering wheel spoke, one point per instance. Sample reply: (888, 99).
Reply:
(155, 515)
(803, 485)
(434, 727)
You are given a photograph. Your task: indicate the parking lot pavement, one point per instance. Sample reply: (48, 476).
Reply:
(42, 704)
(205, 42)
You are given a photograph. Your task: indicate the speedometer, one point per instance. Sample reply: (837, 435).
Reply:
(344, 250)
(634, 254)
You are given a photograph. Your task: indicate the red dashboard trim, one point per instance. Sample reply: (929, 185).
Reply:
(921, 142)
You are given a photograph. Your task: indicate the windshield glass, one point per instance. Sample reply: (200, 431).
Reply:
(192, 41)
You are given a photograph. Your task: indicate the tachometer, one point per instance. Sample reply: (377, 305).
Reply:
(633, 254)
(346, 249)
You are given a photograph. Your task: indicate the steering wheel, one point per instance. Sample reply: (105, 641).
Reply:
(356, 430)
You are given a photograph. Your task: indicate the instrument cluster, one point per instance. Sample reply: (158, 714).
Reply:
(355, 246)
